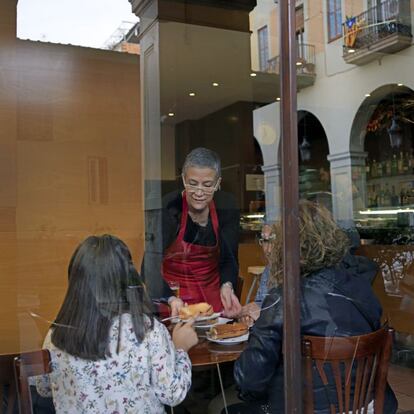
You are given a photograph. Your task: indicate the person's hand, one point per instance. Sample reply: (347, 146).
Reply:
(175, 304)
(250, 313)
(231, 304)
(184, 336)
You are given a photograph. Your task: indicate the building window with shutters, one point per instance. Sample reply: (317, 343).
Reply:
(263, 37)
(334, 14)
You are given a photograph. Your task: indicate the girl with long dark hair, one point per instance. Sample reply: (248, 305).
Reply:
(109, 354)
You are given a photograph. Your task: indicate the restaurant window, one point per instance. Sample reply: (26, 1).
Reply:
(334, 16)
(263, 39)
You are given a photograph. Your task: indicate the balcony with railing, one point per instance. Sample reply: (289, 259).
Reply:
(305, 65)
(383, 29)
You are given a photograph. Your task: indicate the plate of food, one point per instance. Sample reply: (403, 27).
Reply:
(204, 311)
(228, 334)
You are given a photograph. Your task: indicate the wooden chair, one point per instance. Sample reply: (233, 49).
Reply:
(26, 365)
(7, 378)
(359, 363)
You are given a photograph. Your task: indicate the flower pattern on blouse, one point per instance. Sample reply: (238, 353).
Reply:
(140, 379)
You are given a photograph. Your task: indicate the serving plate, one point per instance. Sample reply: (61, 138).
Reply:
(229, 341)
(207, 325)
(198, 319)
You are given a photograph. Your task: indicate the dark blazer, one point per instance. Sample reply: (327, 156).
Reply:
(328, 308)
(229, 221)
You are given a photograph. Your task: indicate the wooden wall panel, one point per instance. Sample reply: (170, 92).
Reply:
(60, 106)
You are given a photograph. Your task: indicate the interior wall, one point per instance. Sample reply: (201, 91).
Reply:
(70, 166)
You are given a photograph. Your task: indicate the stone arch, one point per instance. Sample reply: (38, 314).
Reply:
(366, 109)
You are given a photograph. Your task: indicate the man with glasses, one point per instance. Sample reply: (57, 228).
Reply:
(200, 228)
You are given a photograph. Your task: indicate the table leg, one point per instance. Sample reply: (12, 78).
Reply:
(222, 388)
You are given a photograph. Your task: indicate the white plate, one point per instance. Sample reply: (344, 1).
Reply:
(219, 321)
(229, 341)
(200, 318)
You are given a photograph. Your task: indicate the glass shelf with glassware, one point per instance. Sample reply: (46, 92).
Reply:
(393, 165)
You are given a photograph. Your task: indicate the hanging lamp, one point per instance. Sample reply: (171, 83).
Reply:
(395, 131)
(305, 146)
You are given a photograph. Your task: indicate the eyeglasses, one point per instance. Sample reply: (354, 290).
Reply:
(263, 240)
(208, 190)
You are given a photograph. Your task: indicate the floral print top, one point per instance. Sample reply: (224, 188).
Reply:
(140, 379)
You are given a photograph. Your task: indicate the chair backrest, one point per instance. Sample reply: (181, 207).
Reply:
(7, 378)
(355, 366)
(26, 365)
(239, 287)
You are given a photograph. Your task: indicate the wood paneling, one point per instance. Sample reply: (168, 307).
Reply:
(59, 106)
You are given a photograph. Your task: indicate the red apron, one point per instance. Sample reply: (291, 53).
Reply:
(194, 267)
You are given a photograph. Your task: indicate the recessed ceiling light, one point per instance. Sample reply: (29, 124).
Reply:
(171, 113)
(215, 84)
(367, 95)
(278, 99)
(399, 84)
(191, 94)
(253, 74)
(298, 63)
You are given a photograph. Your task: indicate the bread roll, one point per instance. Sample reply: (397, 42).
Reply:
(203, 309)
(228, 330)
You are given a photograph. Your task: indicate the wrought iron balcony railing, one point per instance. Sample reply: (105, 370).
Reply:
(376, 24)
(305, 61)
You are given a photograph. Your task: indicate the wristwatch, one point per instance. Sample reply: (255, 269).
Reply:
(229, 284)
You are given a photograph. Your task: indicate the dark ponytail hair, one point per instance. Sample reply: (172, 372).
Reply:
(103, 284)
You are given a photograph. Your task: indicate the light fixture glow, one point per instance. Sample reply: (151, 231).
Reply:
(367, 95)
(298, 63)
(253, 75)
(255, 216)
(215, 84)
(351, 50)
(278, 99)
(388, 212)
(191, 94)
(171, 113)
(399, 84)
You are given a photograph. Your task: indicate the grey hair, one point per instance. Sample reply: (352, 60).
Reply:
(203, 158)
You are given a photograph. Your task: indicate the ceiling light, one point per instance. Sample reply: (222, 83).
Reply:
(278, 99)
(215, 84)
(367, 95)
(351, 50)
(171, 113)
(191, 94)
(400, 84)
(298, 63)
(253, 74)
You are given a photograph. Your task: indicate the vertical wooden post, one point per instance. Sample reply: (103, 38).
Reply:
(290, 197)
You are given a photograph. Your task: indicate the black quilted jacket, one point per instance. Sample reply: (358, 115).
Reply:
(328, 308)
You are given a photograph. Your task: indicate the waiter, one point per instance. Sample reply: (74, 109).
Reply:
(200, 228)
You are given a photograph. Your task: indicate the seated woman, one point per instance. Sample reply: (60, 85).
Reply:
(109, 355)
(335, 301)
(251, 311)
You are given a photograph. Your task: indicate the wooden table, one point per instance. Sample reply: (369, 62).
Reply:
(207, 353)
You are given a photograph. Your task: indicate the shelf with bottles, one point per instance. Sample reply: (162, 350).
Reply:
(397, 165)
(392, 193)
